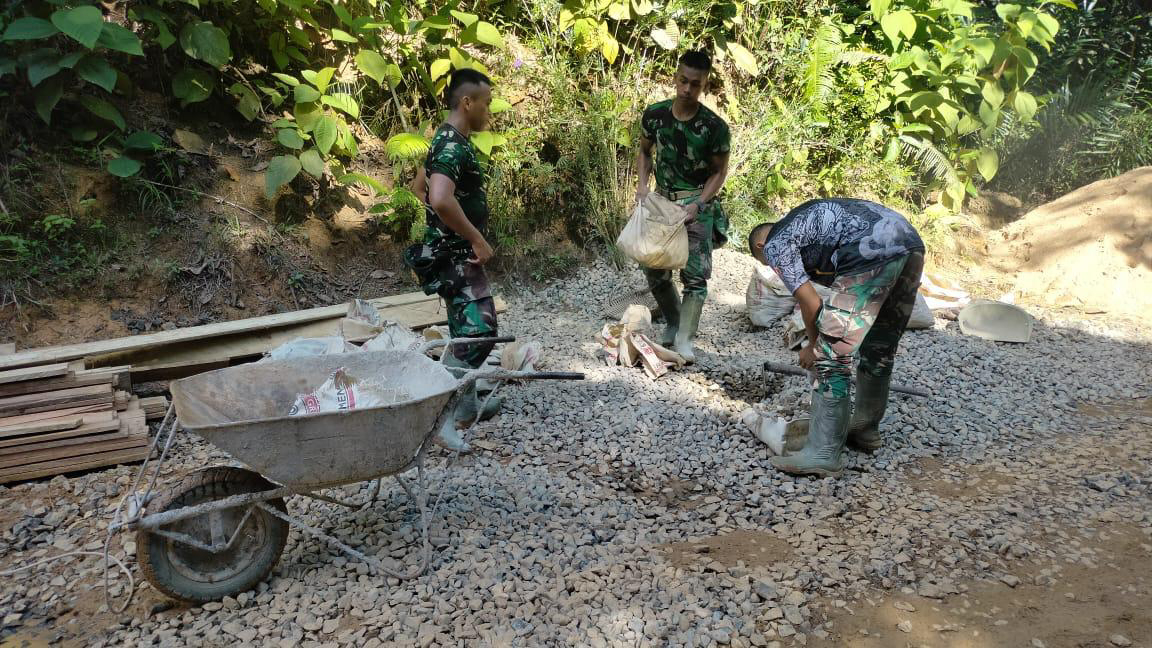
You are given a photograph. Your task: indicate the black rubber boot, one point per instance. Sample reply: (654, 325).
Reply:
(871, 401)
(823, 454)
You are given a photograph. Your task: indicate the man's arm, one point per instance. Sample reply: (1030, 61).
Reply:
(712, 186)
(643, 168)
(420, 182)
(442, 198)
(810, 304)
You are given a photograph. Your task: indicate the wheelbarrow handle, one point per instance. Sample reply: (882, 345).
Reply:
(780, 368)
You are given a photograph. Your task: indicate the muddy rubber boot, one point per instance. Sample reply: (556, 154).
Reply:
(491, 405)
(871, 401)
(669, 302)
(823, 453)
(689, 323)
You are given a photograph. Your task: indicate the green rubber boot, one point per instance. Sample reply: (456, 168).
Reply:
(466, 410)
(689, 323)
(871, 401)
(669, 302)
(823, 453)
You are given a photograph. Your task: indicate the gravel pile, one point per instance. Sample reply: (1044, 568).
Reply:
(625, 511)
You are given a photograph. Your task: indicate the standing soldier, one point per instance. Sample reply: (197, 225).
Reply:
(450, 262)
(686, 145)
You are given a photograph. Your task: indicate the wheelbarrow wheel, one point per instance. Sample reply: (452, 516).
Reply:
(197, 575)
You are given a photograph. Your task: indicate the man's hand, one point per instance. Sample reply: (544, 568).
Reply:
(808, 355)
(641, 193)
(691, 211)
(481, 252)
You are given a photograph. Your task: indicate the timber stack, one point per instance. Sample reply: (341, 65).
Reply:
(70, 408)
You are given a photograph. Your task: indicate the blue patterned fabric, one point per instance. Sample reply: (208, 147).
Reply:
(830, 237)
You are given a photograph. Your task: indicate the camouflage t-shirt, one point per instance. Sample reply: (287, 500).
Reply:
(452, 155)
(682, 151)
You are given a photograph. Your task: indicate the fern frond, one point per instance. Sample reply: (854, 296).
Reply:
(406, 147)
(931, 159)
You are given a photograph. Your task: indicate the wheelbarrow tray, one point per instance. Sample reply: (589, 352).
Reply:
(243, 411)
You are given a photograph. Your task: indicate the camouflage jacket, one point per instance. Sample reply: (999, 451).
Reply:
(452, 155)
(682, 151)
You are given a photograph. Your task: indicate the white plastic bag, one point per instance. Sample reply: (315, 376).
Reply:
(922, 316)
(655, 236)
(311, 347)
(345, 392)
(393, 336)
(767, 299)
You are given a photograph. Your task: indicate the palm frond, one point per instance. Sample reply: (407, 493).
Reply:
(406, 147)
(824, 52)
(932, 160)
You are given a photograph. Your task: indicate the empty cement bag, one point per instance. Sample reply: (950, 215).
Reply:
(996, 321)
(655, 236)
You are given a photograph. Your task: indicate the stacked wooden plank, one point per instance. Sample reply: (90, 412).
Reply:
(61, 417)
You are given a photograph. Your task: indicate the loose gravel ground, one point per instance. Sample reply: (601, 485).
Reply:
(1012, 508)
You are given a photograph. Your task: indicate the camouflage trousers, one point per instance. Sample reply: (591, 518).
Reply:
(476, 318)
(709, 231)
(865, 315)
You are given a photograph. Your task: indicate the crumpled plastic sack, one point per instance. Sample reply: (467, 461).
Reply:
(362, 321)
(393, 336)
(655, 236)
(766, 298)
(301, 347)
(341, 392)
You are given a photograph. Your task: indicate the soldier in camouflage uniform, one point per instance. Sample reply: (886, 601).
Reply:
(686, 146)
(872, 259)
(450, 261)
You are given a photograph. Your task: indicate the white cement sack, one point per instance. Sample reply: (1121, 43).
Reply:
(343, 392)
(766, 298)
(311, 347)
(922, 317)
(393, 336)
(655, 236)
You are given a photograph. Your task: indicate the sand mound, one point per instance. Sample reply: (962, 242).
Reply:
(1090, 248)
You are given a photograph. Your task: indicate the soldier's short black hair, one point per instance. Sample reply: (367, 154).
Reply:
(754, 234)
(697, 60)
(458, 85)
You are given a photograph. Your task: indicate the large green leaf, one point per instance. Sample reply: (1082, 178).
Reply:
(992, 93)
(305, 94)
(744, 59)
(898, 25)
(1025, 105)
(103, 110)
(325, 133)
(466, 19)
(985, 49)
(485, 141)
(247, 103)
(1007, 11)
(46, 96)
(94, 69)
(123, 167)
(281, 170)
(143, 141)
(42, 63)
(488, 34)
(406, 146)
(372, 65)
(343, 102)
(290, 138)
(988, 163)
(287, 79)
(115, 37)
(361, 179)
(82, 24)
(159, 20)
(206, 42)
(311, 161)
(192, 85)
(29, 29)
(439, 68)
(307, 115)
(320, 78)
(879, 8)
(499, 105)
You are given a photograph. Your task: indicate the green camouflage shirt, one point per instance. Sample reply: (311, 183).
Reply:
(682, 151)
(452, 155)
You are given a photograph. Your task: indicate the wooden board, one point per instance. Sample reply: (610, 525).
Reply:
(68, 352)
(188, 359)
(10, 421)
(58, 452)
(7, 348)
(63, 442)
(84, 379)
(92, 428)
(33, 373)
(74, 464)
(51, 425)
(74, 397)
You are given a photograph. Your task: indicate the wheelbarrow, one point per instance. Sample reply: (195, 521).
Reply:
(221, 530)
